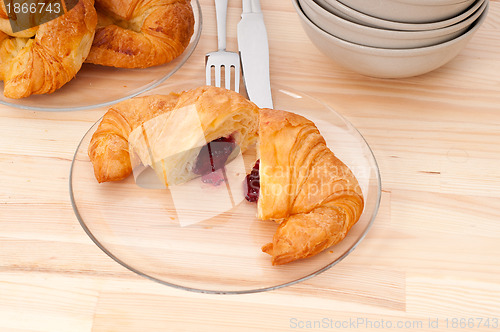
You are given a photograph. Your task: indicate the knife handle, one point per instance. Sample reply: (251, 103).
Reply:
(251, 6)
(221, 13)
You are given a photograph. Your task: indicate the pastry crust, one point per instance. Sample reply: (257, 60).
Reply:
(141, 33)
(157, 125)
(51, 57)
(304, 187)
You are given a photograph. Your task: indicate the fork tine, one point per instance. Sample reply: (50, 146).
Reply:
(218, 69)
(208, 75)
(237, 78)
(227, 74)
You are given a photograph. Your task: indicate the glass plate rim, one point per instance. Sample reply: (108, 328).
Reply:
(186, 55)
(248, 291)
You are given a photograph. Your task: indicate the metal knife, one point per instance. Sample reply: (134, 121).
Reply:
(254, 54)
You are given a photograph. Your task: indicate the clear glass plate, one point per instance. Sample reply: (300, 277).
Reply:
(95, 86)
(141, 228)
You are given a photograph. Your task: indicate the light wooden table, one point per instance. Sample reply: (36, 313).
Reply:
(431, 261)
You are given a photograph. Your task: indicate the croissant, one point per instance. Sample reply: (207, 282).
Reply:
(42, 59)
(109, 148)
(313, 196)
(141, 33)
(170, 134)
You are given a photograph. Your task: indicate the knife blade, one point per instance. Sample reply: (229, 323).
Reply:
(254, 53)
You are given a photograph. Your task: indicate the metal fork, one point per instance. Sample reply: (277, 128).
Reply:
(222, 58)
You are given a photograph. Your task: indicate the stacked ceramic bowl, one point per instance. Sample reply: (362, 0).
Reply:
(391, 38)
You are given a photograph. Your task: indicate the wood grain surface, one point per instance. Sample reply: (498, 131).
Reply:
(430, 262)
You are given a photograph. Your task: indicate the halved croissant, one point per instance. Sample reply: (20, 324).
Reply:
(303, 186)
(44, 58)
(141, 33)
(165, 122)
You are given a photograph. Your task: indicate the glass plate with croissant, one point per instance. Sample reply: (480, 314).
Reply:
(196, 187)
(62, 55)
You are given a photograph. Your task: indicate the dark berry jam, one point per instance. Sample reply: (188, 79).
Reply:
(253, 184)
(214, 178)
(213, 156)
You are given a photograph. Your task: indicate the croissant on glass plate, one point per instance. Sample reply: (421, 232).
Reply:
(304, 187)
(44, 58)
(141, 33)
(298, 182)
(181, 136)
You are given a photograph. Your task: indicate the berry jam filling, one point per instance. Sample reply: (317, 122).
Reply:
(213, 156)
(253, 184)
(214, 178)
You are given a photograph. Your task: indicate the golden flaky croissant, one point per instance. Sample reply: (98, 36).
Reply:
(303, 186)
(141, 33)
(170, 133)
(44, 58)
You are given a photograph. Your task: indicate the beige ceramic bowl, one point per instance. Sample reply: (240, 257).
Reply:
(375, 37)
(410, 11)
(382, 62)
(352, 15)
